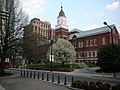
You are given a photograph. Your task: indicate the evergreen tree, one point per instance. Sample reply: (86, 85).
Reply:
(109, 58)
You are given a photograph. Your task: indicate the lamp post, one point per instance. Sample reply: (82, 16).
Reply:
(51, 54)
(105, 23)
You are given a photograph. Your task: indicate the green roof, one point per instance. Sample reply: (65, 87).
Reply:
(92, 32)
(76, 30)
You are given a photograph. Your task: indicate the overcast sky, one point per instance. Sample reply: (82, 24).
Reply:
(81, 14)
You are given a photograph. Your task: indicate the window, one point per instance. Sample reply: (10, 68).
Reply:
(87, 53)
(91, 42)
(81, 54)
(86, 43)
(76, 44)
(103, 40)
(91, 53)
(81, 43)
(95, 53)
(78, 54)
(95, 42)
(36, 28)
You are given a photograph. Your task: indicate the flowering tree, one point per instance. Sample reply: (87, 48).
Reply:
(63, 51)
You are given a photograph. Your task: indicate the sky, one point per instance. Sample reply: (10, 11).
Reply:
(81, 14)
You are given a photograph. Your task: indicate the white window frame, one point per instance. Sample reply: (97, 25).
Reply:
(103, 40)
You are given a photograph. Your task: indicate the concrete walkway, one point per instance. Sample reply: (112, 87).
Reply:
(20, 83)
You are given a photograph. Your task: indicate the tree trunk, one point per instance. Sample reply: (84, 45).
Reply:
(63, 63)
(2, 72)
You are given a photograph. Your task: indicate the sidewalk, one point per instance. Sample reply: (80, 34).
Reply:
(20, 83)
(1, 88)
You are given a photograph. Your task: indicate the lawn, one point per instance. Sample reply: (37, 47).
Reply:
(91, 64)
(55, 67)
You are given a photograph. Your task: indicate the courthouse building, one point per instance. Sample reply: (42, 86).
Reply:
(86, 43)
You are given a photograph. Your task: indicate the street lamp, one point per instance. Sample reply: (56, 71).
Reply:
(51, 53)
(105, 23)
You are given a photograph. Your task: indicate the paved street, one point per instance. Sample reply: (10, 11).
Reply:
(20, 83)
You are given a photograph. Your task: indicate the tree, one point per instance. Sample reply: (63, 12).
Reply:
(30, 46)
(63, 51)
(12, 36)
(34, 45)
(108, 56)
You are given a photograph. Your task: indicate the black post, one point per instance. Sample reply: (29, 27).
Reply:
(72, 79)
(105, 23)
(38, 75)
(52, 77)
(27, 73)
(58, 78)
(65, 81)
(30, 74)
(47, 77)
(21, 73)
(24, 73)
(34, 74)
(42, 76)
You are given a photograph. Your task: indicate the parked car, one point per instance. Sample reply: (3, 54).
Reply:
(6, 65)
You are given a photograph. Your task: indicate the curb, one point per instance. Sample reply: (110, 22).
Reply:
(1, 88)
(74, 88)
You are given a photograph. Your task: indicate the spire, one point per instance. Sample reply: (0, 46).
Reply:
(61, 6)
(61, 13)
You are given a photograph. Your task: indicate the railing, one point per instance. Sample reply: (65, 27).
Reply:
(47, 76)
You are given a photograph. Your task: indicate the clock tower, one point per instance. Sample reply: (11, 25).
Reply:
(61, 29)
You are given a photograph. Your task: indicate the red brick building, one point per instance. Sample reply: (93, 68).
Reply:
(40, 27)
(88, 43)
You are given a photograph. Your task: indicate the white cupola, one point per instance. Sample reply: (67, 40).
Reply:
(61, 20)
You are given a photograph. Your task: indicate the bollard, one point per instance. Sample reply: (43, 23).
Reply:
(52, 77)
(47, 77)
(42, 76)
(58, 78)
(38, 75)
(34, 74)
(27, 73)
(24, 73)
(72, 79)
(30, 74)
(65, 81)
(21, 73)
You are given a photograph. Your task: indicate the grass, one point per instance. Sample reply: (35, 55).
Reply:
(55, 66)
(91, 64)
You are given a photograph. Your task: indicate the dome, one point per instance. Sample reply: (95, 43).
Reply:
(61, 13)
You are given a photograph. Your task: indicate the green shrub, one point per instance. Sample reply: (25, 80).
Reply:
(84, 85)
(99, 83)
(55, 67)
(102, 87)
(77, 84)
(116, 87)
(92, 86)
(108, 86)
